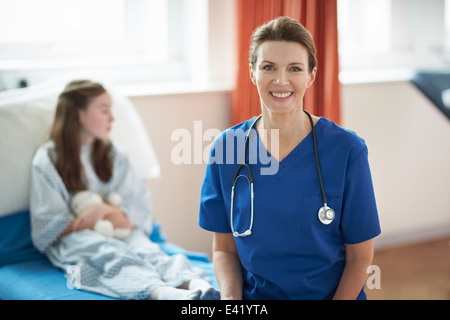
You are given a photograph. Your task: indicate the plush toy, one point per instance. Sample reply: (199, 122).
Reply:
(85, 199)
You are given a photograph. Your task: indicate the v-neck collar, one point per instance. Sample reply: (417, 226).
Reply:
(293, 154)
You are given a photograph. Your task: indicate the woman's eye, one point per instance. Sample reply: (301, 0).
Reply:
(268, 68)
(296, 69)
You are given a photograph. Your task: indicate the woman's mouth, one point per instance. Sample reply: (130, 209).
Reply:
(281, 95)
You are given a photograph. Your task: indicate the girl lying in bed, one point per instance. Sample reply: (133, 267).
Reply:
(79, 157)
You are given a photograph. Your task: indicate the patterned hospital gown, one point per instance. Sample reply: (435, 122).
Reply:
(129, 269)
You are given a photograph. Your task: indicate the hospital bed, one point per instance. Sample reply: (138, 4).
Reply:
(25, 119)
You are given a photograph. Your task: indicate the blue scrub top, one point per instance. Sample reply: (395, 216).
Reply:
(290, 253)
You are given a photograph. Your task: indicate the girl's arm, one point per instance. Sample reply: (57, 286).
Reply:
(49, 213)
(89, 218)
(358, 258)
(227, 266)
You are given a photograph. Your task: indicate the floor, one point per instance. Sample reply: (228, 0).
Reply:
(413, 272)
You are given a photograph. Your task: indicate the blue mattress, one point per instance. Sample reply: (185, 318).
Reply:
(26, 274)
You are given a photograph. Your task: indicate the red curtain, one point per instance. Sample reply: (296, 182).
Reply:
(320, 18)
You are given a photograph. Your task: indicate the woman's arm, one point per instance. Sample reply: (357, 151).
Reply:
(358, 258)
(227, 266)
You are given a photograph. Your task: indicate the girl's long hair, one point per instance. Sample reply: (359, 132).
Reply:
(65, 133)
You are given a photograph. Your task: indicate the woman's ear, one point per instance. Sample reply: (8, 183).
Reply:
(312, 77)
(252, 75)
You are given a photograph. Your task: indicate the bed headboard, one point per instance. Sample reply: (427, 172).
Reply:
(25, 119)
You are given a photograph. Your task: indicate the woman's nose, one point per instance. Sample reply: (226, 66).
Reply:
(281, 78)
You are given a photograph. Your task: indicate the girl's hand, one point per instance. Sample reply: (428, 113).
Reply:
(103, 211)
(118, 218)
(88, 218)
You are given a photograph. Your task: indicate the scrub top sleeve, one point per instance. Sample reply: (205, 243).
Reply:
(213, 216)
(359, 210)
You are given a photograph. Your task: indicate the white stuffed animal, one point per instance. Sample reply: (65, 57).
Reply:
(85, 199)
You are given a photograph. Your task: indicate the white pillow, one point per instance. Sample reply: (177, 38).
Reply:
(26, 116)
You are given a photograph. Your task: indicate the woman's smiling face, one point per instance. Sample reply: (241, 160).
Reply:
(282, 76)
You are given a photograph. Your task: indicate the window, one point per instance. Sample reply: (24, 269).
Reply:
(364, 26)
(447, 26)
(392, 34)
(52, 21)
(122, 40)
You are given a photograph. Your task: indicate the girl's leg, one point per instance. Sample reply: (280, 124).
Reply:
(208, 292)
(173, 270)
(169, 293)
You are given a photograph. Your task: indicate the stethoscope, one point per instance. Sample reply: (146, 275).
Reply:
(326, 214)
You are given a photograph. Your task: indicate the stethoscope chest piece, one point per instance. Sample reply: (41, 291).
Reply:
(326, 214)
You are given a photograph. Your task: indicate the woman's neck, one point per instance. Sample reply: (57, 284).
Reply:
(292, 126)
(283, 132)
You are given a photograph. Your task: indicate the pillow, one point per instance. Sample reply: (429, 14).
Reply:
(26, 116)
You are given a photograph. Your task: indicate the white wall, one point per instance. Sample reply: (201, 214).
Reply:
(176, 194)
(409, 151)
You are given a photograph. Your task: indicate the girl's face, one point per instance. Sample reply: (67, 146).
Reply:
(96, 119)
(282, 76)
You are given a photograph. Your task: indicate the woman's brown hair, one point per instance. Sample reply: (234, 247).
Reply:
(65, 133)
(283, 29)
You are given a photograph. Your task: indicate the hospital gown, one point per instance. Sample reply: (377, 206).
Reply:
(129, 269)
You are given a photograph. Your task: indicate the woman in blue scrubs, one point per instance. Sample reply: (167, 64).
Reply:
(289, 253)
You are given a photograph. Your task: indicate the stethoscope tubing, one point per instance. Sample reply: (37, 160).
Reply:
(316, 153)
(325, 214)
(233, 183)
